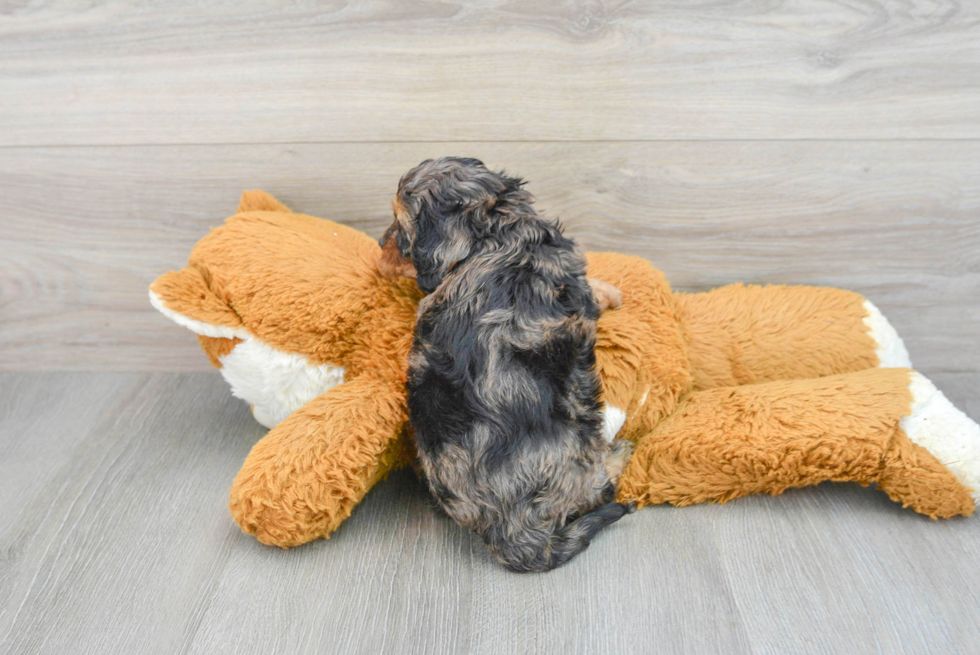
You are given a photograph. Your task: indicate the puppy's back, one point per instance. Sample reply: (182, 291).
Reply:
(506, 403)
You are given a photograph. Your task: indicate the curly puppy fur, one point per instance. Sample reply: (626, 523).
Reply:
(504, 395)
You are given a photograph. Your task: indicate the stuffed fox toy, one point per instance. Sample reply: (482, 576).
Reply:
(739, 390)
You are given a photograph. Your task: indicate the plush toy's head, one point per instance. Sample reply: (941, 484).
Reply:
(288, 305)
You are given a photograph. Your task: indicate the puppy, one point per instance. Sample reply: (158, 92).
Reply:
(504, 396)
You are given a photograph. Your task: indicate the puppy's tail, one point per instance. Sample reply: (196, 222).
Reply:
(567, 542)
(575, 537)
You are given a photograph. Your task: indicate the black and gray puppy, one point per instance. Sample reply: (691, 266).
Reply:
(504, 395)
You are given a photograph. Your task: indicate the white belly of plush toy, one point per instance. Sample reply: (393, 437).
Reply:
(273, 382)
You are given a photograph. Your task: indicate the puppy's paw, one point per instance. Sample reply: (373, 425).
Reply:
(606, 295)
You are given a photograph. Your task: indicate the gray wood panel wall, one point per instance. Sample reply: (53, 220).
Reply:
(824, 143)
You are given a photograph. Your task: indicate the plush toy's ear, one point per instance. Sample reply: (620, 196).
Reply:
(185, 298)
(260, 201)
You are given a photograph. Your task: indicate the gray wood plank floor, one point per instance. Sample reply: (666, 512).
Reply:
(115, 538)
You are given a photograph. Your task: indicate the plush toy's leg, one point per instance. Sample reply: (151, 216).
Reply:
(746, 334)
(728, 442)
(306, 475)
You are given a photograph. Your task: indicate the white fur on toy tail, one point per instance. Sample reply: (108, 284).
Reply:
(948, 434)
(889, 346)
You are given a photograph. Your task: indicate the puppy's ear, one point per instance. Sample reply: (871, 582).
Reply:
(434, 239)
(446, 234)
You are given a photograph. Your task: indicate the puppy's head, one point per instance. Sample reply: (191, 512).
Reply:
(444, 210)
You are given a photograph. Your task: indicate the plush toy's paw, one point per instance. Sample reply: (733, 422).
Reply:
(263, 516)
(606, 295)
(303, 479)
(951, 436)
(288, 495)
(888, 345)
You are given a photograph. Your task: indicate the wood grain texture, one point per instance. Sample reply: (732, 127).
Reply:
(118, 549)
(120, 542)
(832, 142)
(83, 231)
(123, 72)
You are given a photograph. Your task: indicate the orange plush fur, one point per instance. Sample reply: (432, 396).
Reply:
(740, 390)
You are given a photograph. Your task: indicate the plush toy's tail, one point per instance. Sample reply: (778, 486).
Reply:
(889, 426)
(577, 535)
